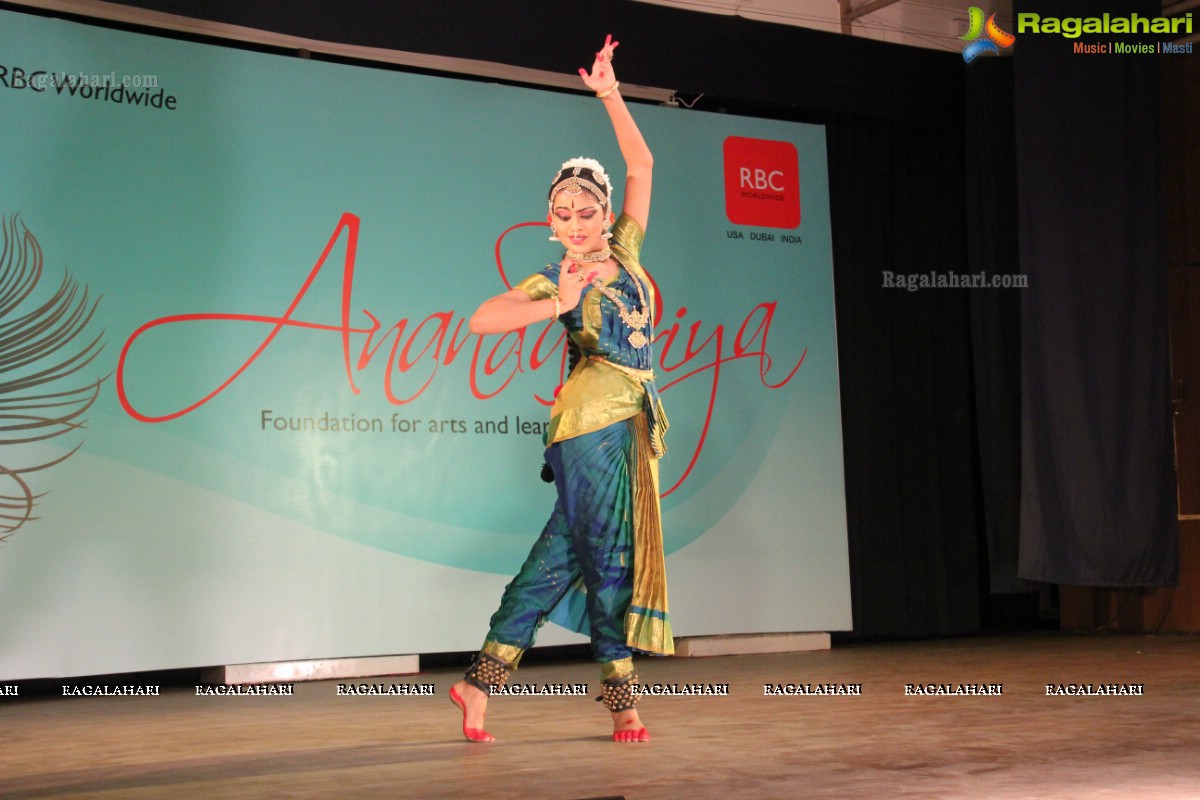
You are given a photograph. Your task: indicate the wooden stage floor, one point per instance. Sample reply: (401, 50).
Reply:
(880, 744)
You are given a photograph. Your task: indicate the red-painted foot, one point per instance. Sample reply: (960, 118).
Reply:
(632, 735)
(472, 734)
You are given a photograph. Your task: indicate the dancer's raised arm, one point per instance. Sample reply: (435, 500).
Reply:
(580, 220)
(639, 163)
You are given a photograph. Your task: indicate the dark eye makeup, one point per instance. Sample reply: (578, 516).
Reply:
(587, 213)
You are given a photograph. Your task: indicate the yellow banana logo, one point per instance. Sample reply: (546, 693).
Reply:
(975, 24)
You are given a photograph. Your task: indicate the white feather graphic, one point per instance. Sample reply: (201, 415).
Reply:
(44, 346)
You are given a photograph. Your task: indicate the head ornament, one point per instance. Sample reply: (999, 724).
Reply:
(579, 175)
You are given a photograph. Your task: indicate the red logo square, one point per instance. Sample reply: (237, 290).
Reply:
(762, 183)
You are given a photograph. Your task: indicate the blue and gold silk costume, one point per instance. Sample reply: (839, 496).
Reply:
(598, 567)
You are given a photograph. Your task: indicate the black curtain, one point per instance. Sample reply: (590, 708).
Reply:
(991, 212)
(1097, 492)
(908, 413)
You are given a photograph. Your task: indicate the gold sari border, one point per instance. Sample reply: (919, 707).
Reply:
(508, 653)
(538, 287)
(650, 634)
(621, 668)
(647, 625)
(643, 375)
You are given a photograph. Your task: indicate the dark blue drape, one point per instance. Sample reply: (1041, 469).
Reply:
(1097, 478)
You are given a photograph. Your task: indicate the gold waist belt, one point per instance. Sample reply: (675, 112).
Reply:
(642, 375)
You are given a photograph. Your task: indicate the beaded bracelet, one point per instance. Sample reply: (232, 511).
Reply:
(609, 90)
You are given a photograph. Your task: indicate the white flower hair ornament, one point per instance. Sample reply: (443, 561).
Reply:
(582, 174)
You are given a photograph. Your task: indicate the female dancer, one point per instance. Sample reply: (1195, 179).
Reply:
(599, 560)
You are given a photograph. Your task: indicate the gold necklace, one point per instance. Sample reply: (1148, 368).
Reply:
(598, 255)
(637, 320)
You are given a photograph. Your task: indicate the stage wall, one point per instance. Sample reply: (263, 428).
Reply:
(272, 244)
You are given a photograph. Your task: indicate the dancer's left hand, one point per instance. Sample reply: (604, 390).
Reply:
(602, 77)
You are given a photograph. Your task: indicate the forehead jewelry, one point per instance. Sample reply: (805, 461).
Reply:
(576, 184)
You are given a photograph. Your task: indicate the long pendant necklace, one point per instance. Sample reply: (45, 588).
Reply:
(636, 319)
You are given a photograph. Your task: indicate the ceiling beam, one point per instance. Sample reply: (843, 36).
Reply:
(115, 12)
(850, 12)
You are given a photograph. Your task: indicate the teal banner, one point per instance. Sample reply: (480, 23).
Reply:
(242, 418)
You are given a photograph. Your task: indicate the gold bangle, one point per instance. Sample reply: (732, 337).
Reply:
(557, 309)
(609, 90)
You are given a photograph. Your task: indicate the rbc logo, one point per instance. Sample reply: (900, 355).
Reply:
(761, 179)
(762, 183)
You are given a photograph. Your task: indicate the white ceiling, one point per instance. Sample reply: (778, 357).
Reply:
(933, 24)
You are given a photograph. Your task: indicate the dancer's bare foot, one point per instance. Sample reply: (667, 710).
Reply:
(627, 727)
(473, 704)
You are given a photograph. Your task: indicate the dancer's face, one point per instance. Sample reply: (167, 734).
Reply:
(578, 221)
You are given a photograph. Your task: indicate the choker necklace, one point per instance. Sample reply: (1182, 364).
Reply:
(598, 255)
